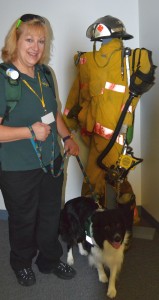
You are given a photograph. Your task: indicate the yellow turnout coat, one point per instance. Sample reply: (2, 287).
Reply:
(95, 103)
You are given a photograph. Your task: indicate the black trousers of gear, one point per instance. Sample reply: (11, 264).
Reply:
(33, 201)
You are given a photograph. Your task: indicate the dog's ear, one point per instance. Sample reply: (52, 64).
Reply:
(96, 219)
(98, 233)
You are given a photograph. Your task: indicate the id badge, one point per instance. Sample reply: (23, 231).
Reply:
(48, 118)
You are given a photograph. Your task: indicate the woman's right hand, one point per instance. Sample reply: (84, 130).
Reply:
(41, 131)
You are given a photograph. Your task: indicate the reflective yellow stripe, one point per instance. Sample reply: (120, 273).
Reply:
(107, 133)
(130, 108)
(115, 87)
(82, 60)
(83, 85)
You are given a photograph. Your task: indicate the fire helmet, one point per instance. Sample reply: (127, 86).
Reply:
(107, 27)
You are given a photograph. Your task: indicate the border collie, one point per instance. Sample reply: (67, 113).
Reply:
(106, 236)
(72, 224)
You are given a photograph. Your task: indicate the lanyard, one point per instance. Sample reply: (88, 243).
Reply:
(38, 149)
(35, 93)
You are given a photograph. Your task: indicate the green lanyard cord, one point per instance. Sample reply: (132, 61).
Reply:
(38, 149)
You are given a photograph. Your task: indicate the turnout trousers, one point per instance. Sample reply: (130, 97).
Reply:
(33, 201)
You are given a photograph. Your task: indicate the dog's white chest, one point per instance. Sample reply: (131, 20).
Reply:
(108, 256)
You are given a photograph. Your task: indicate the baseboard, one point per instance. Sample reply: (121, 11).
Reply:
(142, 212)
(149, 218)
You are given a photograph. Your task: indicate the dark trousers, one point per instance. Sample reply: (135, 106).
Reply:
(33, 201)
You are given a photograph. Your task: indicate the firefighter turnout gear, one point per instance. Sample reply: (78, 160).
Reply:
(96, 101)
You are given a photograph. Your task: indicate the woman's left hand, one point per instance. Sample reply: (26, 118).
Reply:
(71, 147)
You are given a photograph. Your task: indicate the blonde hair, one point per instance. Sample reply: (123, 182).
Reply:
(9, 50)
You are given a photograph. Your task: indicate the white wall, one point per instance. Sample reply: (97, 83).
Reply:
(149, 24)
(69, 20)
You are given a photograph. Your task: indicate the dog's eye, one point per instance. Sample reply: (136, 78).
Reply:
(107, 227)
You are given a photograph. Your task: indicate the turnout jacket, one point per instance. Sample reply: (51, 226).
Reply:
(100, 90)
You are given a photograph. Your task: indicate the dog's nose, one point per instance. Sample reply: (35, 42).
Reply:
(117, 237)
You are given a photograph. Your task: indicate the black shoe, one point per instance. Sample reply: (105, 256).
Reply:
(25, 277)
(61, 270)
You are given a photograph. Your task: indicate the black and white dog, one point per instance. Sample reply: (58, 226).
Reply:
(106, 235)
(72, 224)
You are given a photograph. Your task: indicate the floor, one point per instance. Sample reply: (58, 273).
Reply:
(143, 229)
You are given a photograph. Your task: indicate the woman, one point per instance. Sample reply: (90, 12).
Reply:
(31, 178)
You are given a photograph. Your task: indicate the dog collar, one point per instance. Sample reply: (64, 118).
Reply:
(89, 240)
(88, 231)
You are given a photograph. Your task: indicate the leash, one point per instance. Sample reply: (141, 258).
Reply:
(38, 149)
(94, 195)
(88, 229)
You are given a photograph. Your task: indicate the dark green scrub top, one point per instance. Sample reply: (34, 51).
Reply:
(20, 155)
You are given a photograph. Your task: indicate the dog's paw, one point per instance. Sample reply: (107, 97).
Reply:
(111, 293)
(84, 252)
(70, 261)
(103, 278)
